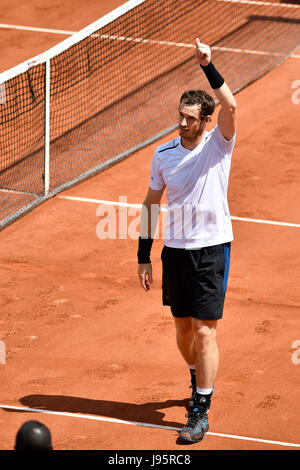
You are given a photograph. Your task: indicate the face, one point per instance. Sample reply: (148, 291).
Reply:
(191, 125)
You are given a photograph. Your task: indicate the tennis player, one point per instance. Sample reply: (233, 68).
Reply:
(194, 168)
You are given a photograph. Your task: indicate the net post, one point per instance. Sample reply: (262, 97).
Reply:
(47, 129)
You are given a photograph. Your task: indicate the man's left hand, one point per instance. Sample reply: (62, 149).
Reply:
(203, 53)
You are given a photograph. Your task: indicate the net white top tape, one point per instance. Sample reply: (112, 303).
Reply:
(64, 45)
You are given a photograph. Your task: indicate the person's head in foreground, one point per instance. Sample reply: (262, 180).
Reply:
(33, 435)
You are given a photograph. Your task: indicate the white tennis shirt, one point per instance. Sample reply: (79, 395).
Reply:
(197, 182)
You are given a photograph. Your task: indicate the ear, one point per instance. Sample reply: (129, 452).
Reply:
(206, 120)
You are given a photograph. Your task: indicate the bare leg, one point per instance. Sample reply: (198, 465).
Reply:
(207, 361)
(185, 339)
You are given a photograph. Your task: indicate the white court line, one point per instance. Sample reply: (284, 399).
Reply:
(106, 203)
(149, 425)
(37, 30)
(261, 221)
(163, 209)
(15, 191)
(146, 41)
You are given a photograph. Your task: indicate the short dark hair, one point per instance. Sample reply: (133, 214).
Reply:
(207, 103)
(33, 435)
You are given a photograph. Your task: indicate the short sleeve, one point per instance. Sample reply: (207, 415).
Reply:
(224, 146)
(156, 180)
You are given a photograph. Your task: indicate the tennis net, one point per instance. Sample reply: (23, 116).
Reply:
(113, 87)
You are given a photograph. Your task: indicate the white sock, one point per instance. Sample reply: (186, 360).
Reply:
(204, 391)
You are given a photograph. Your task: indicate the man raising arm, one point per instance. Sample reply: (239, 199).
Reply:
(227, 121)
(195, 169)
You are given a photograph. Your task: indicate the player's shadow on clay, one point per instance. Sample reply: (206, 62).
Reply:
(140, 413)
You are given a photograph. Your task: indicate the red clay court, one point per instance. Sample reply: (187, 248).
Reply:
(94, 354)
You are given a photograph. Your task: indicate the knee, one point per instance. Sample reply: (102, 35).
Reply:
(205, 335)
(184, 327)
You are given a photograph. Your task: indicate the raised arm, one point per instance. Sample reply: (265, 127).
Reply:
(227, 118)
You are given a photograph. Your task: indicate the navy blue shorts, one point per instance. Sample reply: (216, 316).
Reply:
(194, 282)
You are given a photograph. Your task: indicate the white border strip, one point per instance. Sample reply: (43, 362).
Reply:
(270, 222)
(149, 41)
(163, 209)
(149, 425)
(106, 203)
(33, 29)
(269, 4)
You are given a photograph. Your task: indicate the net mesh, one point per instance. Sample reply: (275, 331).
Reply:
(117, 89)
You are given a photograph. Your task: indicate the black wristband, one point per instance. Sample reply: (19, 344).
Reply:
(213, 76)
(144, 250)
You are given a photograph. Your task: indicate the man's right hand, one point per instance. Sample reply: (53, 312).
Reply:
(145, 275)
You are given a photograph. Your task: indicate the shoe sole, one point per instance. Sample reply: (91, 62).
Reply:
(188, 438)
